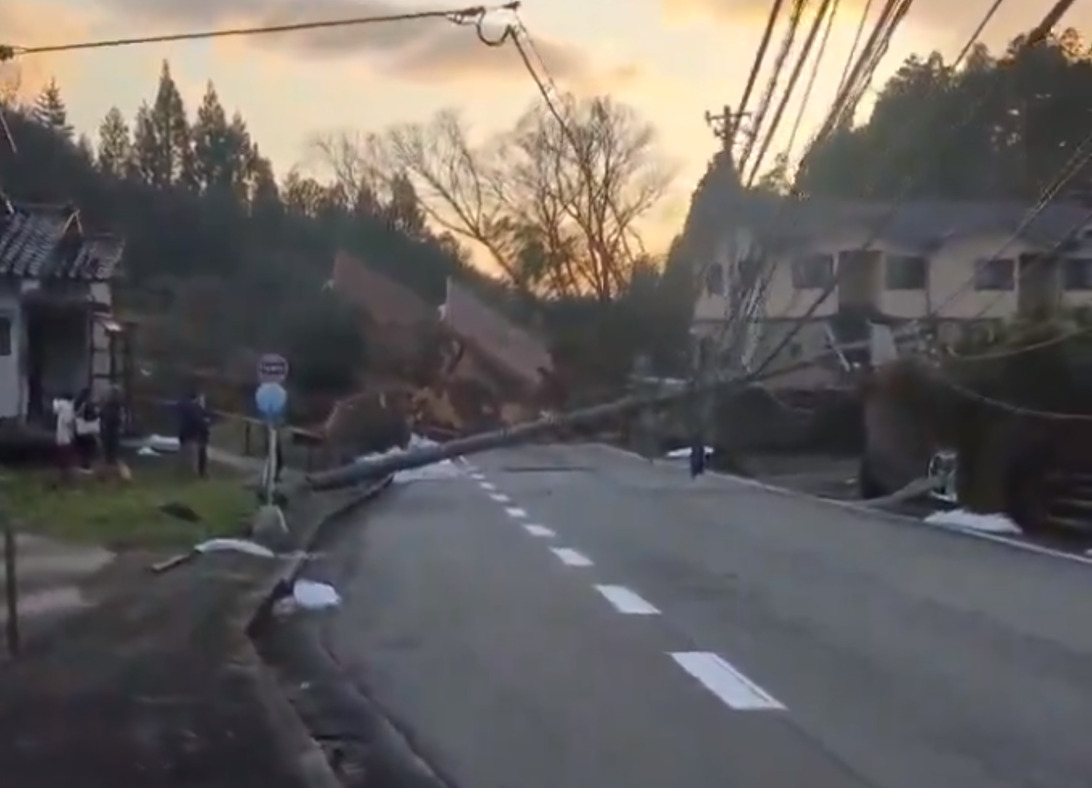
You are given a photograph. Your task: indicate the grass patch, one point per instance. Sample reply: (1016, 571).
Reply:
(126, 515)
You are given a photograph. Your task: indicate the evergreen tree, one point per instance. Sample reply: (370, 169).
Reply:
(212, 144)
(162, 137)
(115, 155)
(244, 157)
(147, 155)
(50, 110)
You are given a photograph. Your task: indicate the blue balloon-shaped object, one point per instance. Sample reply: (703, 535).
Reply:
(271, 399)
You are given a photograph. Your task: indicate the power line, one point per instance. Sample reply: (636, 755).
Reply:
(856, 43)
(821, 16)
(810, 87)
(756, 65)
(795, 15)
(456, 15)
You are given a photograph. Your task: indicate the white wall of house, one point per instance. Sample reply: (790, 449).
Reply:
(12, 390)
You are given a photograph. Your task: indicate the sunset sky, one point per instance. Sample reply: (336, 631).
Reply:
(671, 59)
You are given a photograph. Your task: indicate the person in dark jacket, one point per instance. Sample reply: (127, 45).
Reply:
(194, 427)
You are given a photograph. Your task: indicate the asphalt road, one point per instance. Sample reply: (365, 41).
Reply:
(572, 617)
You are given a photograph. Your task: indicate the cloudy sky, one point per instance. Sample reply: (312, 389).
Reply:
(672, 59)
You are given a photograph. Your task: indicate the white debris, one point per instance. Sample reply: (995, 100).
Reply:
(444, 469)
(162, 444)
(683, 454)
(228, 544)
(975, 521)
(312, 595)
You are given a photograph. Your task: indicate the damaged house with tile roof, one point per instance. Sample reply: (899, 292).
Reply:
(461, 365)
(58, 333)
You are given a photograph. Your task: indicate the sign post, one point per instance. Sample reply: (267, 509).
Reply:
(271, 399)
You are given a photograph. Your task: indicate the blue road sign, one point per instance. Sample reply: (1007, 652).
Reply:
(271, 400)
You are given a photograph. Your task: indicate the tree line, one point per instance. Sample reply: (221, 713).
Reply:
(1001, 126)
(222, 255)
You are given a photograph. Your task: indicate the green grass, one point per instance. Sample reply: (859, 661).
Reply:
(126, 515)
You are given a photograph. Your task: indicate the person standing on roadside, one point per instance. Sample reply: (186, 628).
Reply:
(194, 427)
(202, 433)
(64, 436)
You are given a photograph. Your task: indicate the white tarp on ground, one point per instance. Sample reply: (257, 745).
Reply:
(974, 521)
(312, 595)
(445, 469)
(228, 544)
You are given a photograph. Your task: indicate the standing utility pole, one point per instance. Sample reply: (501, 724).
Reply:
(726, 125)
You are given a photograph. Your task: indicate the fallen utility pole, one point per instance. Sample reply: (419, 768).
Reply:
(367, 470)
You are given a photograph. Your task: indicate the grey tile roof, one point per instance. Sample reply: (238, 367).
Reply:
(47, 242)
(920, 224)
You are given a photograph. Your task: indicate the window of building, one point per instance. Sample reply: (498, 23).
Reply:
(813, 271)
(995, 274)
(714, 279)
(5, 336)
(906, 272)
(1077, 274)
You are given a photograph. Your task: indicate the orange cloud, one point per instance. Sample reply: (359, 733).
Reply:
(434, 49)
(28, 23)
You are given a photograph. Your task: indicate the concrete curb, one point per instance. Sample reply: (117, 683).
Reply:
(293, 737)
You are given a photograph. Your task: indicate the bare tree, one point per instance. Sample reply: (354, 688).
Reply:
(584, 183)
(349, 159)
(555, 204)
(453, 179)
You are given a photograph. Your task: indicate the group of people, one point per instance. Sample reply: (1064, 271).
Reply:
(84, 428)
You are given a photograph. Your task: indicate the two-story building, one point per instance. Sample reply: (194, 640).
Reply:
(946, 267)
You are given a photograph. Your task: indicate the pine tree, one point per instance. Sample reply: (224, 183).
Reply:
(244, 157)
(148, 161)
(115, 156)
(211, 144)
(161, 138)
(49, 110)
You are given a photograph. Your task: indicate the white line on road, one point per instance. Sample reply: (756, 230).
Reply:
(540, 531)
(488, 486)
(571, 557)
(626, 601)
(724, 681)
(513, 511)
(500, 498)
(477, 477)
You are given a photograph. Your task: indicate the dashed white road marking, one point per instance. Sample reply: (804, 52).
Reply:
(571, 557)
(724, 681)
(628, 602)
(477, 477)
(500, 498)
(515, 511)
(541, 531)
(488, 486)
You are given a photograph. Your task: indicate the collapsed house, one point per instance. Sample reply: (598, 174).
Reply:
(458, 367)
